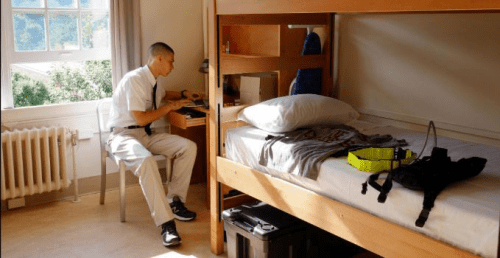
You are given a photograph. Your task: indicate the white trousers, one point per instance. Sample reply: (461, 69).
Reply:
(136, 149)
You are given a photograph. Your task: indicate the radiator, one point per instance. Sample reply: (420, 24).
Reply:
(33, 161)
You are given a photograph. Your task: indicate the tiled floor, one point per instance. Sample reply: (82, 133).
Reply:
(87, 229)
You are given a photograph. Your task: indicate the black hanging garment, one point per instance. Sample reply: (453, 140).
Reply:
(309, 80)
(429, 174)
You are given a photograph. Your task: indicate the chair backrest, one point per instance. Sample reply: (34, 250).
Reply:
(102, 109)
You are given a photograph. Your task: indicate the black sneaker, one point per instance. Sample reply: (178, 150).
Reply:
(180, 211)
(169, 234)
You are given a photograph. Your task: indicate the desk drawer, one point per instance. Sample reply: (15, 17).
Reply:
(179, 118)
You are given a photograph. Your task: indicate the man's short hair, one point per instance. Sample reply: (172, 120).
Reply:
(159, 48)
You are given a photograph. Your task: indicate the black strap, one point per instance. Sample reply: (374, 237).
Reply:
(147, 128)
(429, 198)
(386, 188)
(422, 218)
(372, 180)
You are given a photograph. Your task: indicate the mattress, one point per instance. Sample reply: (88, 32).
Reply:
(466, 214)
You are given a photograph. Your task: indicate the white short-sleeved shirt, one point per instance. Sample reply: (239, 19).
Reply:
(133, 93)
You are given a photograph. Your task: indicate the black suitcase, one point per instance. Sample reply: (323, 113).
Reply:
(260, 230)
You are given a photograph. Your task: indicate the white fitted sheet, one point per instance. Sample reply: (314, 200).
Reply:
(466, 214)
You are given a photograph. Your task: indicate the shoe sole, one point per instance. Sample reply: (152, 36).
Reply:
(174, 243)
(183, 218)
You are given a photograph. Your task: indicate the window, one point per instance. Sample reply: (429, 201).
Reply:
(55, 51)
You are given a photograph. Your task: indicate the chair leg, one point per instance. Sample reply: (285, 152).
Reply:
(103, 180)
(122, 191)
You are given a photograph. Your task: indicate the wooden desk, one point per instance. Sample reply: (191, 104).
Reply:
(192, 128)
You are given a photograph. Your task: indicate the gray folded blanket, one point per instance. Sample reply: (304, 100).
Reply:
(302, 151)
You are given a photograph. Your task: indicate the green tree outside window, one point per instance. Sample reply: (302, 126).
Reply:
(65, 85)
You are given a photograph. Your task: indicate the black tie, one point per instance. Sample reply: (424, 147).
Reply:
(148, 126)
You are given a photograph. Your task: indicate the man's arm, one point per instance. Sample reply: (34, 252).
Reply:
(145, 117)
(176, 95)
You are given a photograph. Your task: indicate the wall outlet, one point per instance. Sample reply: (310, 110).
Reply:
(16, 203)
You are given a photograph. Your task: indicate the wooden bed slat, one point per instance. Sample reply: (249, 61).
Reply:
(354, 225)
(225, 7)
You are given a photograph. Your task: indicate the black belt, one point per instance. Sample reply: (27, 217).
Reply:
(135, 127)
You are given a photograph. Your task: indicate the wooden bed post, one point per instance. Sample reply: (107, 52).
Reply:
(216, 225)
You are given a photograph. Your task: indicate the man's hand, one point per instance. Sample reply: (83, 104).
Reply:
(177, 104)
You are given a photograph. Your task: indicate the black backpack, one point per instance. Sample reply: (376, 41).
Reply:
(429, 174)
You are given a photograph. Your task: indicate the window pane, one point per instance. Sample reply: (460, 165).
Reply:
(63, 31)
(27, 3)
(38, 84)
(29, 31)
(95, 30)
(94, 4)
(61, 3)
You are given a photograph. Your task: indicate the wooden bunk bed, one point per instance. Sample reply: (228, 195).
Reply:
(231, 20)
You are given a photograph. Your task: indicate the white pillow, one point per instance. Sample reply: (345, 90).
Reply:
(288, 113)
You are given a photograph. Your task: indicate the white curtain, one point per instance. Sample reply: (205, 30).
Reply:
(125, 23)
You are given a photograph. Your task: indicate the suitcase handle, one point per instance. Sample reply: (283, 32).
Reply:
(246, 226)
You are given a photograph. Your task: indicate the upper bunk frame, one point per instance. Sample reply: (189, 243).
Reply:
(361, 228)
(231, 7)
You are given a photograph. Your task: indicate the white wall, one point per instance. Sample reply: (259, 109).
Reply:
(177, 23)
(416, 67)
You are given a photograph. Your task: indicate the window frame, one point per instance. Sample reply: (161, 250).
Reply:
(10, 56)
